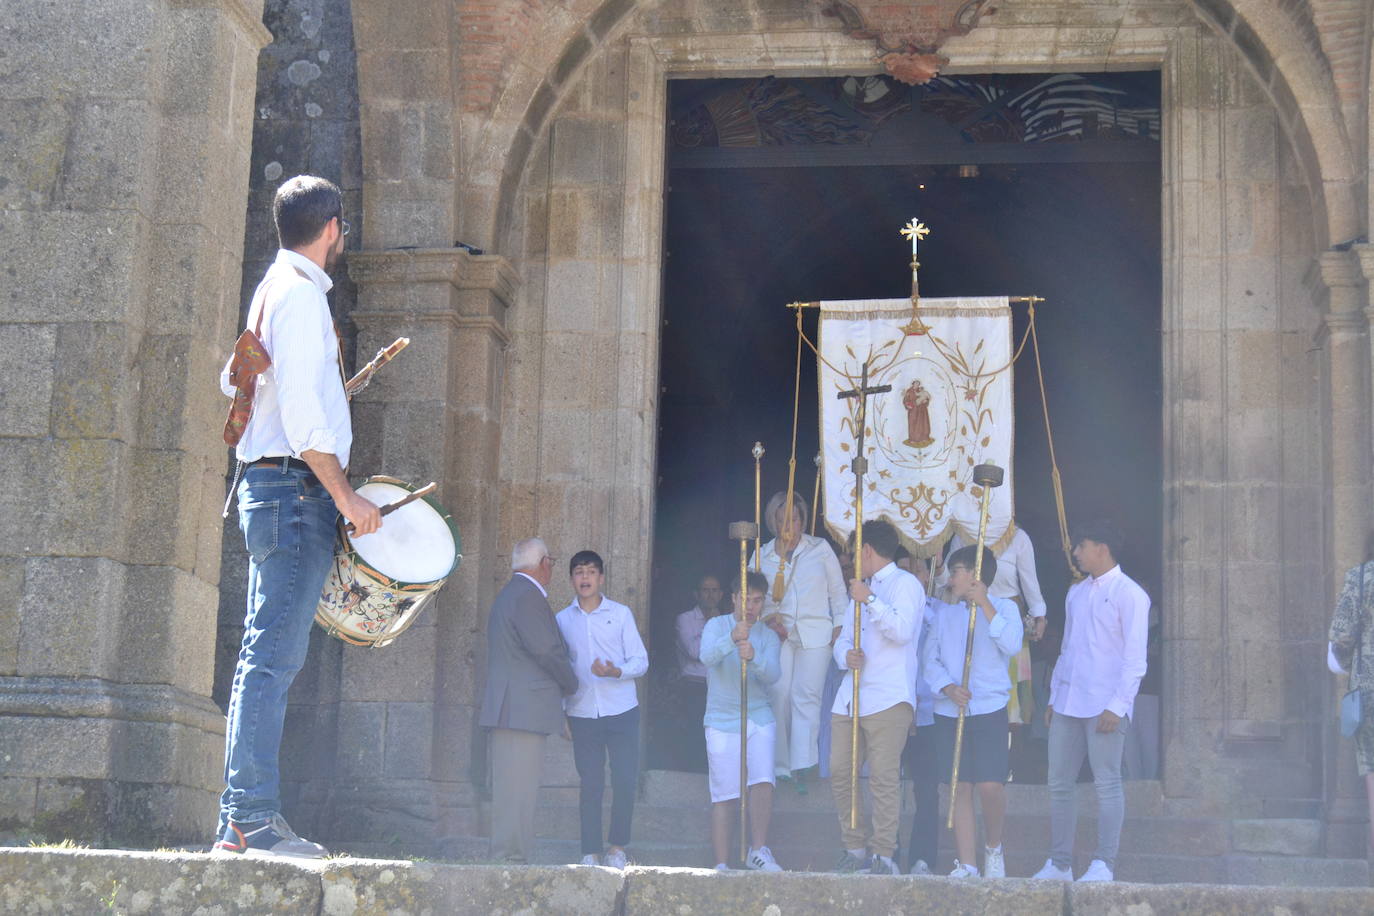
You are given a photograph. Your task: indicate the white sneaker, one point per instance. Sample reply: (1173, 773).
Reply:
(616, 858)
(761, 859)
(1097, 871)
(963, 871)
(1051, 872)
(721, 866)
(994, 865)
(919, 867)
(591, 860)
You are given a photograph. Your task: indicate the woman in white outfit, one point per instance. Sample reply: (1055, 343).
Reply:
(805, 607)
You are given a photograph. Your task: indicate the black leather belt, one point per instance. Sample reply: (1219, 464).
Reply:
(282, 461)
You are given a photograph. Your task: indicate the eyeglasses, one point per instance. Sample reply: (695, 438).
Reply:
(344, 227)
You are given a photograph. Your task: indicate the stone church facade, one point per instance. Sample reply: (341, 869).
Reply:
(145, 138)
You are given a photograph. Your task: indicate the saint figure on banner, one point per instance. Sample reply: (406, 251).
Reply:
(916, 400)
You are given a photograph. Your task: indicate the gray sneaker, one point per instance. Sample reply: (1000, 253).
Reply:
(849, 864)
(266, 838)
(882, 865)
(919, 867)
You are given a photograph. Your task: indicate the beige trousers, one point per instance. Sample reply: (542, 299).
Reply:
(517, 764)
(882, 735)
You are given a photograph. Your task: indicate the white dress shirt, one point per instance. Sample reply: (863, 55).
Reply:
(1106, 626)
(300, 403)
(608, 633)
(816, 599)
(887, 637)
(1016, 576)
(689, 627)
(994, 643)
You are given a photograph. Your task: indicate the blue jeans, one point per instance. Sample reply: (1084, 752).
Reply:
(288, 521)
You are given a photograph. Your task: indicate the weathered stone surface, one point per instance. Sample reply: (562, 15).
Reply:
(36, 881)
(1164, 900)
(364, 888)
(1278, 836)
(689, 892)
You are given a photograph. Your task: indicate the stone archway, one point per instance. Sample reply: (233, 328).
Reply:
(565, 176)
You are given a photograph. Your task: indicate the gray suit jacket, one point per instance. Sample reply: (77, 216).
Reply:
(528, 667)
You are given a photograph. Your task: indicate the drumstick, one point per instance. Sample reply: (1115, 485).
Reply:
(358, 382)
(403, 501)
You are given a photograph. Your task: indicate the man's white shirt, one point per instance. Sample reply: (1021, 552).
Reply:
(888, 634)
(300, 403)
(608, 633)
(1106, 628)
(816, 598)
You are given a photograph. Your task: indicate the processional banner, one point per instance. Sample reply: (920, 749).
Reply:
(950, 408)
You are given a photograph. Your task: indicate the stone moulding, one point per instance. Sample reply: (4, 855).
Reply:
(67, 698)
(436, 265)
(246, 13)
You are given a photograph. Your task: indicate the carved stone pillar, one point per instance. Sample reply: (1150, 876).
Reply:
(1344, 334)
(406, 711)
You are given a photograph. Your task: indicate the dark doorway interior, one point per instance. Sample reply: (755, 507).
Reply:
(760, 217)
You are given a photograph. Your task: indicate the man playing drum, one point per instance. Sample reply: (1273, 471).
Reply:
(293, 453)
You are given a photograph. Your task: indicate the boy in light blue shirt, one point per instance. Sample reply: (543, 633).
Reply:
(724, 641)
(983, 757)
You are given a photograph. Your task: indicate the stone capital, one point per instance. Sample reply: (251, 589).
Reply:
(434, 284)
(246, 13)
(454, 266)
(1339, 270)
(1364, 253)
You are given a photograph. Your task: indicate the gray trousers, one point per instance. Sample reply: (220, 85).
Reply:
(1071, 739)
(517, 763)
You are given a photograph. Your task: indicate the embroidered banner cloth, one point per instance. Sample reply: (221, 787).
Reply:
(950, 408)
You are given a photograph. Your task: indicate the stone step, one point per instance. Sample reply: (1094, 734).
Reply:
(660, 824)
(1277, 836)
(671, 787)
(1291, 871)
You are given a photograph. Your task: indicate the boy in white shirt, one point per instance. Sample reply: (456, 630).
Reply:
(983, 757)
(603, 715)
(1092, 695)
(886, 665)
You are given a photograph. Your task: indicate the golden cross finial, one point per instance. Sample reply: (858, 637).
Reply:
(915, 230)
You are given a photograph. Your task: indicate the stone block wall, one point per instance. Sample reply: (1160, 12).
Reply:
(126, 143)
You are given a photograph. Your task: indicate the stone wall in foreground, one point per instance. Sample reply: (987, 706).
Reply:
(82, 881)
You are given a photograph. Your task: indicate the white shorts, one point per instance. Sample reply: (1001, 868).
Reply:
(722, 756)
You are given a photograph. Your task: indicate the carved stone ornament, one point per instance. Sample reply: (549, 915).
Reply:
(909, 34)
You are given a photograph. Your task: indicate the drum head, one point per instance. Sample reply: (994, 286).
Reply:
(415, 544)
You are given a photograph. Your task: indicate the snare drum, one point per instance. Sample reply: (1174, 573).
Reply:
(380, 582)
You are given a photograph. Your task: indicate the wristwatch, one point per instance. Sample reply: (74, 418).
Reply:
(870, 599)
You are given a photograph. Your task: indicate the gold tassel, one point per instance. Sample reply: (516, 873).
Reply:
(778, 585)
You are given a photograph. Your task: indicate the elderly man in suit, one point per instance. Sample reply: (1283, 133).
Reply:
(528, 674)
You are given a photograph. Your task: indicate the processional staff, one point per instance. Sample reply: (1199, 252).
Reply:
(860, 467)
(986, 476)
(757, 452)
(744, 532)
(816, 496)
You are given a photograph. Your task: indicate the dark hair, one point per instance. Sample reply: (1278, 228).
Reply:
(586, 558)
(754, 582)
(1103, 532)
(882, 537)
(901, 553)
(302, 207)
(968, 556)
(708, 575)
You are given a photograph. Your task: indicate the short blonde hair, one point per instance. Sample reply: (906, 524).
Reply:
(778, 505)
